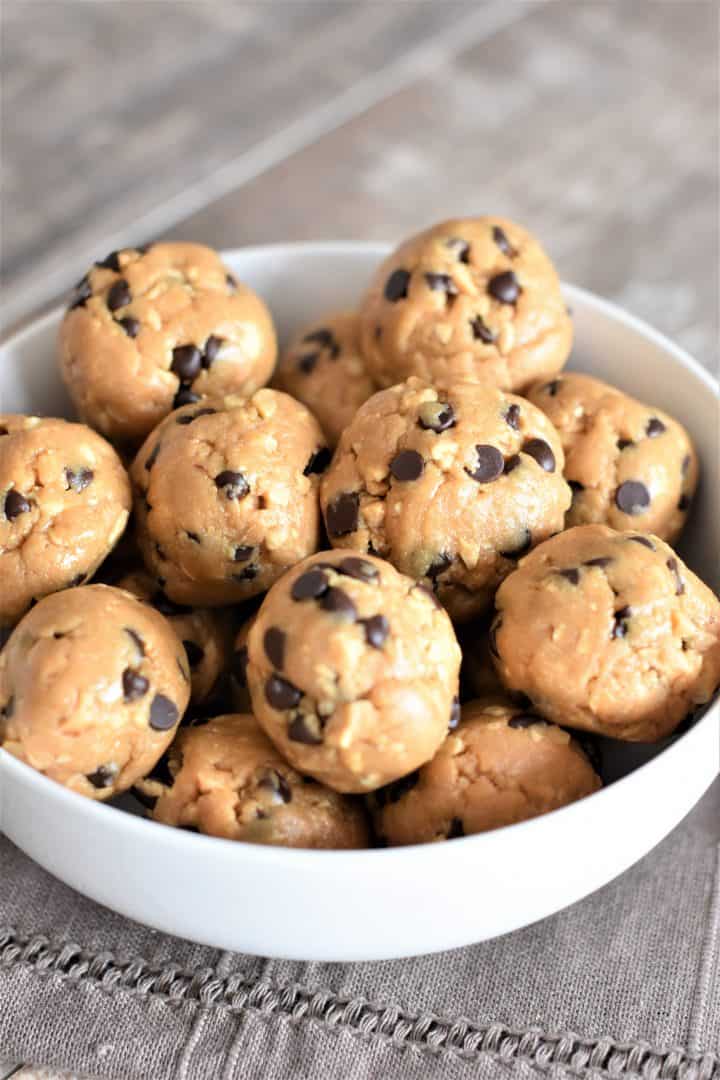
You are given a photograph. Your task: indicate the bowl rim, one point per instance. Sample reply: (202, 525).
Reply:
(267, 854)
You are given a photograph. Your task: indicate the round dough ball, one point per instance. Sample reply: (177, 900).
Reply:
(64, 502)
(205, 634)
(353, 671)
(629, 465)
(229, 780)
(468, 299)
(93, 684)
(500, 766)
(153, 328)
(324, 368)
(608, 632)
(227, 496)
(451, 486)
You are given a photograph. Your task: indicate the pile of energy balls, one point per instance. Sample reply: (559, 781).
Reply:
(270, 650)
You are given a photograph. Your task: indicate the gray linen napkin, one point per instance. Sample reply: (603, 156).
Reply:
(626, 983)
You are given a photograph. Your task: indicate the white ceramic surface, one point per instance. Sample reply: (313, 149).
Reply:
(385, 903)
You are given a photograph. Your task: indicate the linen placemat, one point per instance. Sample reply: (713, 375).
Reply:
(625, 983)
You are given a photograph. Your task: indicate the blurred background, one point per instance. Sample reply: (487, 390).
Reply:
(595, 124)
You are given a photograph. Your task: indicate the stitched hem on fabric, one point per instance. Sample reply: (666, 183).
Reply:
(426, 1032)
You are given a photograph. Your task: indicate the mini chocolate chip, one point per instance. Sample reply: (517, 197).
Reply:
(274, 644)
(281, 694)
(512, 416)
(130, 325)
(377, 629)
(602, 561)
(456, 829)
(343, 514)
(407, 465)
(541, 452)
(576, 487)
(110, 262)
(683, 502)
(339, 603)
(103, 776)
(186, 362)
(512, 463)
(423, 588)
(166, 606)
(137, 640)
(644, 540)
(396, 286)
(248, 574)
(231, 283)
(441, 283)
(318, 462)
(632, 497)
(571, 574)
(239, 664)
(492, 638)
(232, 484)
(15, 504)
(193, 537)
(524, 720)
(460, 247)
(134, 685)
(83, 292)
(119, 295)
(3, 430)
(305, 729)
(672, 565)
(654, 428)
(438, 566)
(307, 362)
(620, 622)
(622, 444)
(552, 388)
(489, 464)
(481, 331)
(243, 552)
(322, 337)
(276, 784)
(454, 714)
(360, 569)
(185, 396)
(163, 713)
(504, 287)
(195, 653)
(78, 479)
(685, 465)
(310, 585)
(522, 548)
(436, 416)
(502, 241)
(9, 708)
(212, 348)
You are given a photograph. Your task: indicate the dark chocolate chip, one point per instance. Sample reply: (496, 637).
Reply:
(339, 603)
(522, 548)
(163, 713)
(407, 465)
(103, 777)
(683, 502)
(212, 348)
(552, 388)
(602, 561)
(396, 286)
(360, 569)
(502, 241)
(460, 248)
(193, 537)
(130, 325)
(654, 428)
(195, 653)
(307, 362)
(137, 640)
(134, 685)
(239, 664)
(232, 484)
(281, 694)
(512, 463)
(322, 337)
(277, 785)
(576, 487)
(274, 641)
(9, 708)
(231, 283)
(454, 714)
(343, 514)
(644, 540)
(318, 462)
(110, 262)
(166, 606)
(512, 416)
(248, 574)
(571, 574)
(541, 452)
(620, 622)
(622, 444)
(489, 464)
(439, 565)
(310, 585)
(3, 430)
(436, 416)
(377, 629)
(243, 552)
(504, 287)
(441, 283)
(456, 829)
(15, 504)
(305, 729)
(186, 362)
(481, 331)
(119, 295)
(83, 292)
(185, 396)
(632, 497)
(78, 479)
(673, 567)
(524, 720)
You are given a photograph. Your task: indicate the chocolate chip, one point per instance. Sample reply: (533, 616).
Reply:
(620, 622)
(318, 462)
(130, 325)
(396, 286)
(110, 262)
(231, 283)
(541, 452)
(277, 785)
(310, 585)
(576, 487)
(339, 603)
(685, 465)
(212, 348)
(460, 248)
(644, 540)
(489, 464)
(552, 388)
(436, 416)
(504, 287)
(502, 241)
(281, 694)
(602, 561)
(103, 777)
(511, 463)
(492, 638)
(481, 331)
(166, 606)
(672, 565)
(193, 537)
(322, 337)
(248, 574)
(3, 430)
(185, 396)
(232, 484)
(78, 479)
(305, 729)
(15, 504)
(654, 428)
(407, 465)
(456, 829)
(186, 362)
(163, 713)
(307, 362)
(134, 685)
(360, 569)
(377, 629)
(343, 514)
(137, 640)
(239, 664)
(439, 565)
(622, 444)
(522, 548)
(274, 644)
(512, 416)
(9, 708)
(524, 720)
(454, 714)
(632, 497)
(683, 502)
(441, 283)
(195, 653)
(243, 552)
(119, 295)
(423, 588)
(571, 574)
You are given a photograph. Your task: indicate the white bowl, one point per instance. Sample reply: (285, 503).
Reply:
(369, 905)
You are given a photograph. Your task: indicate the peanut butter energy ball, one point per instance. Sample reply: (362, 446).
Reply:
(153, 328)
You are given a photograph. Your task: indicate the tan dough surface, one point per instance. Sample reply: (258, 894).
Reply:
(226, 496)
(625, 647)
(64, 502)
(500, 766)
(117, 340)
(419, 503)
(356, 681)
(323, 367)
(92, 685)
(435, 308)
(205, 634)
(230, 781)
(610, 441)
